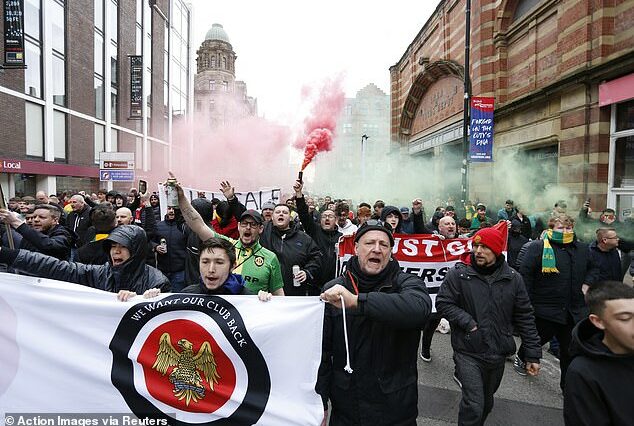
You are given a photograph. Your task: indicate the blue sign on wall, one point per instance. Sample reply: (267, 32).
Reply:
(116, 175)
(481, 130)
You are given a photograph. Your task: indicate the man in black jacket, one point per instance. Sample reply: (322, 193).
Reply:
(171, 246)
(604, 253)
(484, 300)
(385, 309)
(555, 270)
(600, 376)
(293, 247)
(46, 236)
(325, 234)
(78, 220)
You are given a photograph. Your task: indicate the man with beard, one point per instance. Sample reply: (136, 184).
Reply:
(485, 300)
(325, 234)
(385, 309)
(155, 203)
(46, 235)
(267, 210)
(480, 217)
(125, 273)
(446, 229)
(258, 265)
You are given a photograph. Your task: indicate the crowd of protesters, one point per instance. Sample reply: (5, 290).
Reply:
(561, 282)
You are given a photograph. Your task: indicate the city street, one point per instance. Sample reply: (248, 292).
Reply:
(520, 401)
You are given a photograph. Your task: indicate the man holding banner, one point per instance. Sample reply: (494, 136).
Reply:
(485, 300)
(371, 332)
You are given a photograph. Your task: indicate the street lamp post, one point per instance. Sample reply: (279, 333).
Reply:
(363, 139)
(465, 113)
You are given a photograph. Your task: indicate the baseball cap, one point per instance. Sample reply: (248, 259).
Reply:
(270, 205)
(253, 215)
(404, 210)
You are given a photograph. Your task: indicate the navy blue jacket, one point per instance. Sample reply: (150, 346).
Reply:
(609, 263)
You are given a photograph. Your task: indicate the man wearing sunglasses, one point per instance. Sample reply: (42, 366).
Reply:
(384, 312)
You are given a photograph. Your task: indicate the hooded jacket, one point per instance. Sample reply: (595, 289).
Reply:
(78, 223)
(174, 233)
(395, 210)
(325, 240)
(133, 275)
(598, 382)
(234, 285)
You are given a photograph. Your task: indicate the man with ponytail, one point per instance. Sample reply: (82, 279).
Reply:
(556, 270)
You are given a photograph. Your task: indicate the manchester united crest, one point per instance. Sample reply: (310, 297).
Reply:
(259, 261)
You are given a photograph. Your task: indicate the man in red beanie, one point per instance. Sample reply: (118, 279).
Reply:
(484, 300)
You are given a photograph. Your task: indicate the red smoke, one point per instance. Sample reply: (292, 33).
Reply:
(319, 127)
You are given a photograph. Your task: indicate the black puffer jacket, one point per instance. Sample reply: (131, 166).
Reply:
(78, 223)
(383, 334)
(497, 304)
(56, 242)
(555, 295)
(133, 275)
(294, 247)
(174, 234)
(598, 383)
(326, 241)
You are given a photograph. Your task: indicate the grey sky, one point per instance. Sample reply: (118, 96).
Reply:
(283, 45)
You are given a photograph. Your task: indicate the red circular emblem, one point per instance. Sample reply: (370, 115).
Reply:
(185, 368)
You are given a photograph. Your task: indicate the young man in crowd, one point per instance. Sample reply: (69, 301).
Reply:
(600, 376)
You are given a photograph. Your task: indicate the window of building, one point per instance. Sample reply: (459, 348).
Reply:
(59, 79)
(224, 62)
(348, 110)
(98, 54)
(33, 72)
(99, 94)
(34, 119)
(213, 61)
(624, 162)
(114, 106)
(347, 128)
(212, 85)
(523, 7)
(625, 116)
(113, 20)
(99, 141)
(99, 14)
(32, 21)
(114, 142)
(225, 86)
(59, 134)
(58, 22)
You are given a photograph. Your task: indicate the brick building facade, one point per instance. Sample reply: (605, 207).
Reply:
(549, 65)
(73, 99)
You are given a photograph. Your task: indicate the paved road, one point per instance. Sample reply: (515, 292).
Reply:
(520, 400)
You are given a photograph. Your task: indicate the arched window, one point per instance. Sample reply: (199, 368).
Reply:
(523, 7)
(213, 61)
(224, 62)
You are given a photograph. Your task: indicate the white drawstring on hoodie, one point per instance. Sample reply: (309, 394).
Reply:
(347, 368)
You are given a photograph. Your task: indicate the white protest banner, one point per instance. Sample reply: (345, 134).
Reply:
(184, 359)
(425, 255)
(250, 199)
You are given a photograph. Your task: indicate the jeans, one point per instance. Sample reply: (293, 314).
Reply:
(480, 381)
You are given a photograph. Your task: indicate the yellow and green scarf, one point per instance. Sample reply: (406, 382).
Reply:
(548, 255)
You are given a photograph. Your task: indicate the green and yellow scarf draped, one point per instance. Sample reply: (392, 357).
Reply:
(548, 255)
